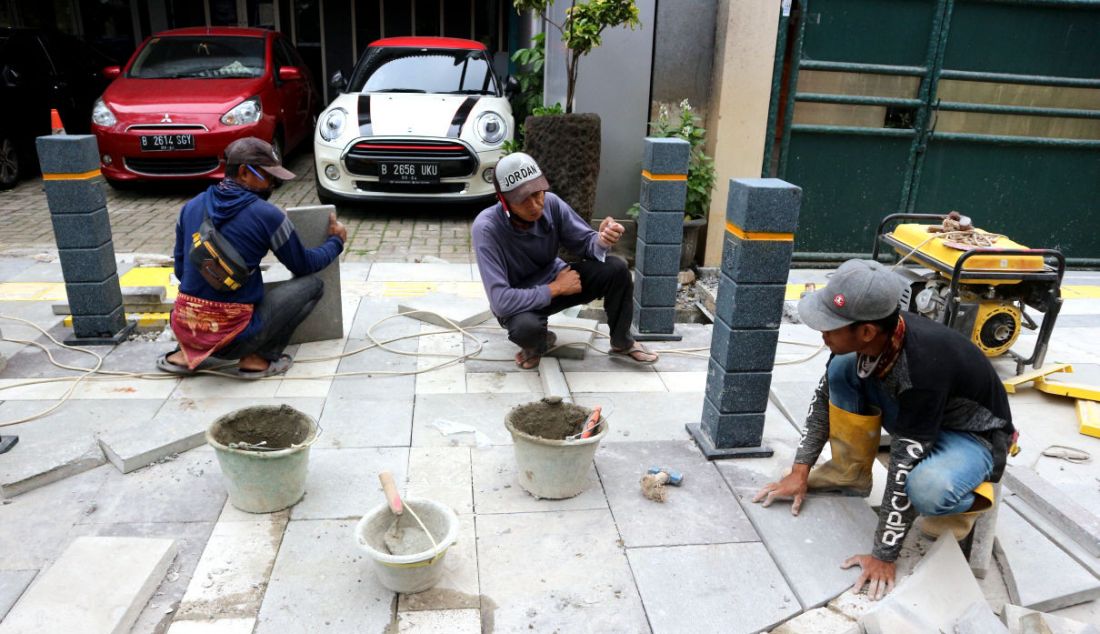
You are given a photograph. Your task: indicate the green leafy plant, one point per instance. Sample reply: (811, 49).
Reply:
(582, 29)
(542, 111)
(529, 77)
(700, 180)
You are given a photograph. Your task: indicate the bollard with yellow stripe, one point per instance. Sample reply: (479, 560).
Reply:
(82, 231)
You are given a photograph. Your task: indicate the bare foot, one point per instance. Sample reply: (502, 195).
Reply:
(253, 363)
(178, 358)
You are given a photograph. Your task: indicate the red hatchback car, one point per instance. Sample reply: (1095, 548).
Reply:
(186, 94)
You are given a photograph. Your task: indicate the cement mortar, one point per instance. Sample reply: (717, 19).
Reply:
(405, 537)
(275, 427)
(549, 418)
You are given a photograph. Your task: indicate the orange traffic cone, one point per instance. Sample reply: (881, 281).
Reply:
(55, 123)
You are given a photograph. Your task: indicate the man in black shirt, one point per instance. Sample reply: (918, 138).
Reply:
(928, 386)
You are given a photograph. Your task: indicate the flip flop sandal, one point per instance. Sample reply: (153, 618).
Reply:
(7, 442)
(164, 365)
(527, 360)
(551, 339)
(274, 368)
(635, 349)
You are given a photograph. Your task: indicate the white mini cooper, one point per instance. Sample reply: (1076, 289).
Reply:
(422, 118)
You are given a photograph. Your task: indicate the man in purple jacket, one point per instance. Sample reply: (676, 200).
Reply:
(516, 242)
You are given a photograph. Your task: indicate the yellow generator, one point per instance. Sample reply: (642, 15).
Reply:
(976, 282)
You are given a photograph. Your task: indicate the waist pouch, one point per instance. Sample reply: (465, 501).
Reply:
(218, 261)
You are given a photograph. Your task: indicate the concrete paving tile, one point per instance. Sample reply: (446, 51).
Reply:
(214, 626)
(552, 380)
(435, 350)
(695, 336)
(393, 386)
(497, 489)
(1052, 532)
(380, 318)
(724, 588)
(557, 571)
(1027, 559)
(1023, 621)
(645, 416)
(447, 310)
(605, 382)
(979, 619)
(574, 336)
(69, 596)
(118, 389)
(514, 382)
(818, 621)
(203, 387)
(31, 362)
(365, 423)
(343, 483)
(753, 473)
(299, 388)
(497, 353)
(458, 587)
(134, 356)
(231, 576)
(186, 489)
(440, 622)
(1069, 515)
(10, 267)
(809, 548)
(189, 537)
(701, 511)
(39, 272)
(484, 412)
(36, 312)
(12, 585)
(323, 581)
(684, 381)
(442, 474)
(27, 390)
(400, 272)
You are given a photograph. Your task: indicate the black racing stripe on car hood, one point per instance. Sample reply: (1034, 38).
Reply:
(364, 115)
(461, 115)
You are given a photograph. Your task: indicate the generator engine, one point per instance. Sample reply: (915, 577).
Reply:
(992, 324)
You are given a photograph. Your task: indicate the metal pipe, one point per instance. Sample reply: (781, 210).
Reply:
(962, 106)
(859, 100)
(831, 129)
(1008, 78)
(1000, 139)
(777, 89)
(853, 67)
(792, 86)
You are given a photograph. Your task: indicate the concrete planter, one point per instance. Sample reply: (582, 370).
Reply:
(567, 148)
(628, 243)
(695, 230)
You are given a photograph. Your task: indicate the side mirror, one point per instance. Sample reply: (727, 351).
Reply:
(511, 86)
(290, 73)
(337, 81)
(112, 72)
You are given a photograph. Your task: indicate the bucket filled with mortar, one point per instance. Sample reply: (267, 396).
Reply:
(406, 558)
(552, 455)
(264, 455)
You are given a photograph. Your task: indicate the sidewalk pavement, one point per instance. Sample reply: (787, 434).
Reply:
(605, 561)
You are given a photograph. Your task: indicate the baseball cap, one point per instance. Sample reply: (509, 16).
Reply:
(253, 151)
(860, 290)
(519, 176)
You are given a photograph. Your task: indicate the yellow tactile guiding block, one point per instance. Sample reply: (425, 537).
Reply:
(1088, 415)
(151, 276)
(419, 289)
(1035, 375)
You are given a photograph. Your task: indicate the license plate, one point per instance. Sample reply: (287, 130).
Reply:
(167, 142)
(411, 173)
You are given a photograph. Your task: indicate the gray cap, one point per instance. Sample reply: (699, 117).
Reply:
(519, 176)
(252, 151)
(860, 290)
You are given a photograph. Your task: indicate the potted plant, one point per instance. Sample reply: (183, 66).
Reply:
(700, 177)
(567, 145)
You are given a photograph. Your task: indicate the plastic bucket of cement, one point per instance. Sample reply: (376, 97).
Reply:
(417, 571)
(264, 455)
(550, 468)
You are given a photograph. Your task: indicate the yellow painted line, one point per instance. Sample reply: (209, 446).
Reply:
(663, 177)
(83, 176)
(142, 319)
(758, 235)
(151, 276)
(1034, 375)
(1080, 292)
(32, 292)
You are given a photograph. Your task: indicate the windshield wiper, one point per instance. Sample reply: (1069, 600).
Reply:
(399, 90)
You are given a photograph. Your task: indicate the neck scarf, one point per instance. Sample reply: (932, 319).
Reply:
(881, 365)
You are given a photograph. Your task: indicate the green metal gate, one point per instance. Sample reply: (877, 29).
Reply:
(988, 107)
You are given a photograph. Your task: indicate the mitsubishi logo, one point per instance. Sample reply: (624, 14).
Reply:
(166, 118)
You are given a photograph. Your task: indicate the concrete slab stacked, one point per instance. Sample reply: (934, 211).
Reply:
(761, 217)
(82, 230)
(660, 237)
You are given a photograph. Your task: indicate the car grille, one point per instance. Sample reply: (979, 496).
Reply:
(454, 159)
(172, 166)
(161, 128)
(401, 188)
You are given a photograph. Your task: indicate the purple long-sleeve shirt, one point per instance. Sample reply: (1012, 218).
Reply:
(517, 266)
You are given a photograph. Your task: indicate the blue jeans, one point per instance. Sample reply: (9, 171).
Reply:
(943, 482)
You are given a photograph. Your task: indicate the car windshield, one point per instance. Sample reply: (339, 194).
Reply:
(428, 70)
(200, 57)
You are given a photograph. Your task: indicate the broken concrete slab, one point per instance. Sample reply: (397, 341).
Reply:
(446, 310)
(940, 590)
(1053, 533)
(213, 626)
(818, 621)
(71, 596)
(558, 571)
(985, 534)
(574, 336)
(810, 547)
(449, 621)
(1077, 521)
(1024, 621)
(979, 619)
(322, 577)
(553, 380)
(12, 585)
(327, 319)
(702, 511)
(710, 588)
(1027, 559)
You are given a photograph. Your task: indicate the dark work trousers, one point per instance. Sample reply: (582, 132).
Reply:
(281, 310)
(610, 280)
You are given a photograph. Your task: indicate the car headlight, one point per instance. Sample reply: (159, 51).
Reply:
(244, 113)
(102, 115)
(332, 124)
(491, 128)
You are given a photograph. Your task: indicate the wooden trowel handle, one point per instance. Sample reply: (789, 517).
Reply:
(389, 487)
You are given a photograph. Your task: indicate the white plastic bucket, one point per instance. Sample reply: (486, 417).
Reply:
(553, 469)
(408, 573)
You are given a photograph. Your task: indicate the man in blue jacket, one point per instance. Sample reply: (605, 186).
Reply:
(244, 324)
(516, 243)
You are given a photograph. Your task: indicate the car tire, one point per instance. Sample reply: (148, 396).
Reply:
(321, 195)
(10, 165)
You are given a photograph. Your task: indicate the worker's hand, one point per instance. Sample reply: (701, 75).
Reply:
(792, 487)
(876, 572)
(610, 232)
(337, 228)
(568, 282)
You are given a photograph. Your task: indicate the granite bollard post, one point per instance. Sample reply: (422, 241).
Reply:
(82, 231)
(761, 218)
(660, 238)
